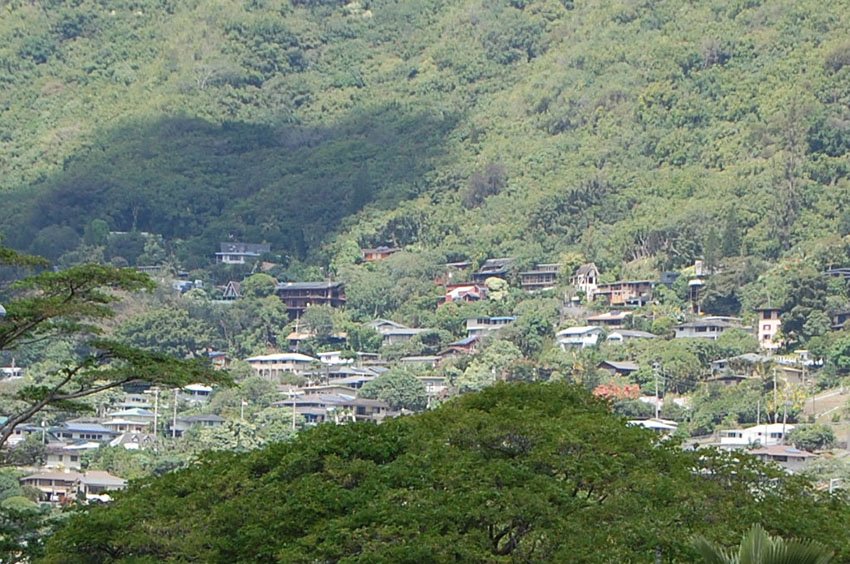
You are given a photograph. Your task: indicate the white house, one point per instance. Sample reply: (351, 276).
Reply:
(582, 337)
(278, 364)
(240, 253)
(763, 435)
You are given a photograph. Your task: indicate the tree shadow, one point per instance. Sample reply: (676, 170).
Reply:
(200, 182)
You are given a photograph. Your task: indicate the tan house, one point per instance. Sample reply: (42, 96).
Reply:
(769, 325)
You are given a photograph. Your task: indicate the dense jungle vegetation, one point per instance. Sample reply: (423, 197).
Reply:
(626, 131)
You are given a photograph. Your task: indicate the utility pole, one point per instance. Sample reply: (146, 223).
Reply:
(155, 410)
(655, 368)
(775, 405)
(174, 417)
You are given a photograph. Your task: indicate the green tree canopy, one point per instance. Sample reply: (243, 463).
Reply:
(524, 472)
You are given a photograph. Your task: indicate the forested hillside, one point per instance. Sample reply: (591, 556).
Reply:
(624, 130)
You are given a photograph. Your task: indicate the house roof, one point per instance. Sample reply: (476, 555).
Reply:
(632, 334)
(782, 450)
(100, 478)
(54, 475)
(133, 411)
(326, 285)
(375, 323)
(465, 342)
(84, 428)
(610, 316)
(282, 357)
(244, 248)
(197, 388)
(656, 424)
(581, 330)
(621, 365)
(586, 269)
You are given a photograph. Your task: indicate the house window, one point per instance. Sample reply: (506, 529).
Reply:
(74, 458)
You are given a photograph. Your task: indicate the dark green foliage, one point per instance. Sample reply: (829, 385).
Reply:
(812, 437)
(516, 472)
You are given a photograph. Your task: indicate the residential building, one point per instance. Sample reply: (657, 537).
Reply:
(707, 327)
(273, 366)
(618, 367)
(762, 435)
(62, 455)
(378, 253)
(543, 277)
(578, 337)
(231, 292)
(299, 295)
(625, 293)
(182, 424)
(435, 385)
(394, 333)
(769, 325)
(840, 318)
(241, 253)
(586, 280)
(663, 427)
(610, 319)
(58, 486)
(73, 431)
(620, 336)
(196, 393)
(464, 293)
(497, 267)
(480, 326)
(791, 459)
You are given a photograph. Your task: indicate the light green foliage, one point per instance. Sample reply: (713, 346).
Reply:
(258, 286)
(489, 366)
(515, 472)
(398, 387)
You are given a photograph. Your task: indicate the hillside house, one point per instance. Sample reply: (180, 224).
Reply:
(183, 424)
(839, 319)
(464, 293)
(769, 325)
(707, 327)
(611, 319)
(625, 293)
(498, 268)
(71, 431)
(378, 253)
(578, 337)
(762, 435)
(543, 277)
(618, 367)
(793, 460)
(480, 326)
(58, 486)
(61, 455)
(620, 336)
(394, 333)
(241, 253)
(586, 280)
(273, 366)
(232, 292)
(196, 393)
(297, 296)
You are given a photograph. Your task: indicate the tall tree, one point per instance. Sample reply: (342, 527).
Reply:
(72, 303)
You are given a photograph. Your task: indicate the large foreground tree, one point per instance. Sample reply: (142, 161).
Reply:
(72, 304)
(517, 472)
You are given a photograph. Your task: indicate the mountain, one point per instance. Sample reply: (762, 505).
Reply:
(633, 132)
